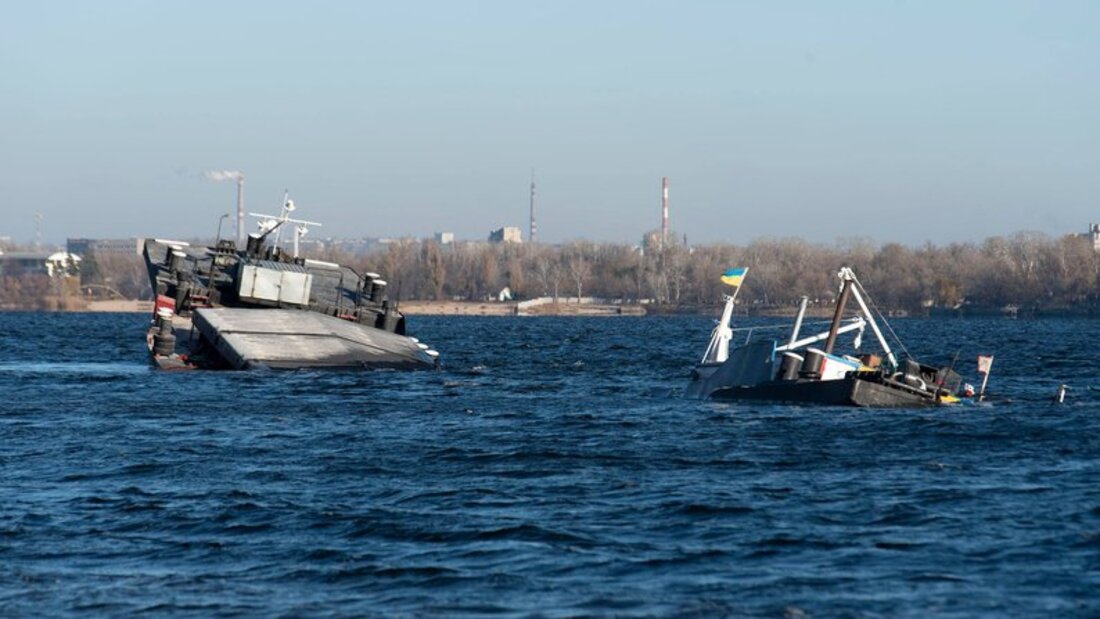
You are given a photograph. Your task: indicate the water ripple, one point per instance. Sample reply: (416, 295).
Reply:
(548, 470)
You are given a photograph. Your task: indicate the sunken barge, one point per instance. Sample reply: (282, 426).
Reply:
(795, 371)
(222, 307)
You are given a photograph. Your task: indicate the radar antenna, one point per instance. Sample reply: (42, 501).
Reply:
(273, 223)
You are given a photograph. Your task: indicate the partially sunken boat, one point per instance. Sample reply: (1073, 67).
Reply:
(225, 308)
(796, 371)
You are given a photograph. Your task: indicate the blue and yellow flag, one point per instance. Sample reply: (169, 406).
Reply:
(733, 277)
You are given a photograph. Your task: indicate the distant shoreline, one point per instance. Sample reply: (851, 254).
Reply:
(572, 308)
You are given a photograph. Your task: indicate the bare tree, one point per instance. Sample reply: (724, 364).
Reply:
(122, 274)
(1025, 269)
(489, 273)
(548, 272)
(578, 265)
(435, 267)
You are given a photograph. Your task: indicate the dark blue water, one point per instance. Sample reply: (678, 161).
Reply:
(545, 471)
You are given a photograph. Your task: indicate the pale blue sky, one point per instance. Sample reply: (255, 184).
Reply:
(900, 121)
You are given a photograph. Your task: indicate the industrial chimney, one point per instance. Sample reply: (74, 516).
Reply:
(240, 210)
(664, 210)
(232, 175)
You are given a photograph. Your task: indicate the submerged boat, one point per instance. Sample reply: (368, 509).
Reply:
(223, 307)
(796, 370)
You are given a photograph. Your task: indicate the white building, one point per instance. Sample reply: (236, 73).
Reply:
(507, 234)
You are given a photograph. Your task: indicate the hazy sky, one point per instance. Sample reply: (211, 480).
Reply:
(901, 121)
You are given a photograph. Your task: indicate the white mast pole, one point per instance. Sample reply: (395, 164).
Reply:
(719, 344)
(798, 320)
(720, 340)
(846, 273)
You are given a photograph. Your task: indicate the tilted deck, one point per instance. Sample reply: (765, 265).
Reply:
(278, 338)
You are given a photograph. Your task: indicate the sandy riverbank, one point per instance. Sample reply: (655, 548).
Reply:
(511, 308)
(456, 308)
(119, 305)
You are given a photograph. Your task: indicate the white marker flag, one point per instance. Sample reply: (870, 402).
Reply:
(985, 362)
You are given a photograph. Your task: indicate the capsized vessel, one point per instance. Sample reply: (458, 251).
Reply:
(227, 308)
(796, 371)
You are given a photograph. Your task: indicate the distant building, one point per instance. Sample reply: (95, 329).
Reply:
(400, 241)
(445, 238)
(51, 263)
(356, 247)
(655, 241)
(102, 247)
(1094, 235)
(22, 262)
(507, 234)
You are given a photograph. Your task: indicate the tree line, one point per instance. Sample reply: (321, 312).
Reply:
(1029, 270)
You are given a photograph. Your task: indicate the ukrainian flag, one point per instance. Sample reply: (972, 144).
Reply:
(733, 277)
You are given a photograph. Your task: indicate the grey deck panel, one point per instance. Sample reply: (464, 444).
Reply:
(280, 338)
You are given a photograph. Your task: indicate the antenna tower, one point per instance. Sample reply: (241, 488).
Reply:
(534, 225)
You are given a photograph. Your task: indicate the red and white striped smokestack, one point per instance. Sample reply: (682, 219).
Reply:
(664, 209)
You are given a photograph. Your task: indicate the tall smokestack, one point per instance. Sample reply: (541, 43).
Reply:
(664, 209)
(240, 210)
(534, 226)
(232, 175)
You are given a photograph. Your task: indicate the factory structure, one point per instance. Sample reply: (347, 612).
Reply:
(238, 177)
(505, 234)
(103, 247)
(512, 234)
(82, 246)
(653, 239)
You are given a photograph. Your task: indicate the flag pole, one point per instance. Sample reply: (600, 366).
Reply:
(733, 297)
(719, 341)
